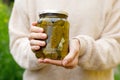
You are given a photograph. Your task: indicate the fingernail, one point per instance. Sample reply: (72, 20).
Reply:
(42, 29)
(65, 62)
(46, 60)
(40, 60)
(44, 35)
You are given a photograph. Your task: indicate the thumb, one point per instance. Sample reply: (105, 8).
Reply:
(74, 51)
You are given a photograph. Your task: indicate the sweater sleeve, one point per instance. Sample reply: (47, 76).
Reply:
(103, 53)
(18, 32)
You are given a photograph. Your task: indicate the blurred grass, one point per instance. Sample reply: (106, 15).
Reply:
(117, 73)
(9, 70)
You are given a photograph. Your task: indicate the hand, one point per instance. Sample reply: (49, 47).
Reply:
(36, 36)
(70, 61)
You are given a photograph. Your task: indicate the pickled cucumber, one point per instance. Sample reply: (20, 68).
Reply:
(57, 30)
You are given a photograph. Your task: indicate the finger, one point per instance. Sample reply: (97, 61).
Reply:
(36, 29)
(69, 58)
(38, 36)
(74, 48)
(34, 23)
(74, 51)
(40, 60)
(72, 64)
(37, 43)
(54, 62)
(68, 61)
(34, 48)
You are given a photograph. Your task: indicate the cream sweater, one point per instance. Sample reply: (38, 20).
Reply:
(95, 23)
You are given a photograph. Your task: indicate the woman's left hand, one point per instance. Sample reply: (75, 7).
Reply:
(71, 60)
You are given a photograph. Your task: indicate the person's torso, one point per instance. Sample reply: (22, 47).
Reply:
(86, 17)
(52, 72)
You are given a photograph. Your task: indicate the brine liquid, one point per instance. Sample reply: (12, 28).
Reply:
(57, 30)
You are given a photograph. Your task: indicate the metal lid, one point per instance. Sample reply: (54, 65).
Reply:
(54, 12)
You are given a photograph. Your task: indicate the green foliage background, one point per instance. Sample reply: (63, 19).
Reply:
(9, 70)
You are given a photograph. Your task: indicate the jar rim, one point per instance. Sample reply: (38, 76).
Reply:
(54, 12)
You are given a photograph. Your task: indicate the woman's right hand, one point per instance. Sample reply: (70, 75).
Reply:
(36, 37)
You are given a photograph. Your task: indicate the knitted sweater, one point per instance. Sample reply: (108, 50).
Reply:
(95, 23)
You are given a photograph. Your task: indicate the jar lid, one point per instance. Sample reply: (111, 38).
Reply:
(54, 12)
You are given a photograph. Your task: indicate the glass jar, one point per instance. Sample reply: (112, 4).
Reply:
(56, 26)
